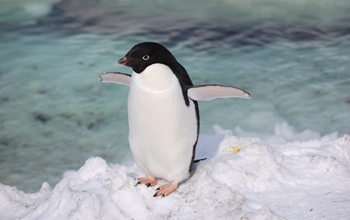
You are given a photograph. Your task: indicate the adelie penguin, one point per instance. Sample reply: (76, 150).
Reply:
(163, 113)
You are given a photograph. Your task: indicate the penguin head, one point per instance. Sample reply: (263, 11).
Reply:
(145, 54)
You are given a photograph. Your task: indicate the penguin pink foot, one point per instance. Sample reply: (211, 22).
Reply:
(166, 189)
(148, 181)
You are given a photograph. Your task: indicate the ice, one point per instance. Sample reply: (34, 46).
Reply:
(23, 10)
(296, 180)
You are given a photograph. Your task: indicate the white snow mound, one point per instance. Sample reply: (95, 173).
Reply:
(298, 180)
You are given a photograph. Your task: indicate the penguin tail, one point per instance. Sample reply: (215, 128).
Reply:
(196, 161)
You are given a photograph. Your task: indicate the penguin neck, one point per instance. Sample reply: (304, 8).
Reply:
(156, 77)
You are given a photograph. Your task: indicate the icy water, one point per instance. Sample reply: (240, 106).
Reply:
(292, 57)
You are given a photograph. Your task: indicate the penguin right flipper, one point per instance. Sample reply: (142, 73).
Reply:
(210, 92)
(116, 77)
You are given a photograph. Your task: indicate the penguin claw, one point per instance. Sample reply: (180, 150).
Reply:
(148, 181)
(166, 189)
(156, 194)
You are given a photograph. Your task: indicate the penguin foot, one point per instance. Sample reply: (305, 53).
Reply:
(148, 181)
(166, 189)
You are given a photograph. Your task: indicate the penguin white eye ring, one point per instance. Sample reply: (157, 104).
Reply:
(160, 106)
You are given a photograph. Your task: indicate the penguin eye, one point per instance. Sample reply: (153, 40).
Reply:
(146, 57)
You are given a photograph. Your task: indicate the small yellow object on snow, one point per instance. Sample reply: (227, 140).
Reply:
(234, 149)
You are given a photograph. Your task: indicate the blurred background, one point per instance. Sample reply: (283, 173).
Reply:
(293, 57)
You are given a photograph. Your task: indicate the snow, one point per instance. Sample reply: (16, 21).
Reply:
(283, 133)
(296, 180)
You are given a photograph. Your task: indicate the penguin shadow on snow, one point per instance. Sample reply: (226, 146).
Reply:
(163, 114)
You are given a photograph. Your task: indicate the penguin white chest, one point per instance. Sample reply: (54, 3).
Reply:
(162, 128)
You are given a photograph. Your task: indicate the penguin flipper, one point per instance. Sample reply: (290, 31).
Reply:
(116, 77)
(210, 92)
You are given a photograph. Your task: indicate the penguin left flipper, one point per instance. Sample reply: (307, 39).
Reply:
(116, 77)
(210, 92)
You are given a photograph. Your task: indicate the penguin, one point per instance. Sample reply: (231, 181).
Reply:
(163, 113)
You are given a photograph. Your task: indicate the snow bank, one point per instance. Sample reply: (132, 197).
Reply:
(298, 180)
(283, 133)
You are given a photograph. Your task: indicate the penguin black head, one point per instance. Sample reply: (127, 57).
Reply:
(144, 54)
(147, 53)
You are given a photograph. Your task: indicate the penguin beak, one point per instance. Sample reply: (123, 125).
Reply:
(123, 61)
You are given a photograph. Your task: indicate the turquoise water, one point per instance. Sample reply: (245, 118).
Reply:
(292, 57)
